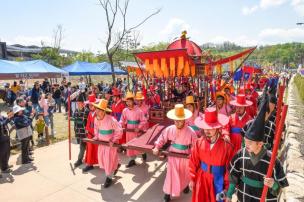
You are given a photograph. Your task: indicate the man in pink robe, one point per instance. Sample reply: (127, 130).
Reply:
(180, 138)
(194, 108)
(133, 120)
(139, 100)
(222, 107)
(107, 129)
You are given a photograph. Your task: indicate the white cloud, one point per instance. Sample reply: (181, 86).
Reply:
(298, 6)
(242, 40)
(249, 10)
(31, 40)
(174, 28)
(283, 35)
(265, 37)
(271, 3)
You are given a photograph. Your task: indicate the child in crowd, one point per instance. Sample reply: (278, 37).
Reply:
(39, 127)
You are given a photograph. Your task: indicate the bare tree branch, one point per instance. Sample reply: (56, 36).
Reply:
(113, 8)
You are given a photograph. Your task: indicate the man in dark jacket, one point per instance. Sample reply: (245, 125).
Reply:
(4, 143)
(35, 94)
(24, 132)
(80, 122)
(57, 97)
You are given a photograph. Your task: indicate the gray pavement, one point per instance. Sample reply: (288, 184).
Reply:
(51, 178)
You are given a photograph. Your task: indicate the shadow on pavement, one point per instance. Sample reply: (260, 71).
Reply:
(24, 169)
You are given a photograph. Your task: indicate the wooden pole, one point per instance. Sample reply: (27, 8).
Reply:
(274, 150)
(69, 125)
(280, 119)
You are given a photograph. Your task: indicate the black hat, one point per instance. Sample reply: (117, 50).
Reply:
(273, 99)
(257, 129)
(273, 89)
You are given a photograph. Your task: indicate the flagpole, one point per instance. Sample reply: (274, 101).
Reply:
(69, 124)
(280, 120)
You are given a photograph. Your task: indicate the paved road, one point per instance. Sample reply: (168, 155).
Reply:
(50, 178)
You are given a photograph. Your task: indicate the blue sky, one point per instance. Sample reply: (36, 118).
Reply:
(245, 22)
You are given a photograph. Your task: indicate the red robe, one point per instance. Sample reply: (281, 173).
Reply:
(253, 109)
(117, 109)
(92, 149)
(204, 164)
(236, 125)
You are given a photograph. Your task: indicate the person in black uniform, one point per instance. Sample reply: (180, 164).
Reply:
(5, 143)
(80, 122)
(249, 166)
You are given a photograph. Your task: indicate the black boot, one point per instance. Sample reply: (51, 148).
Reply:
(167, 198)
(107, 183)
(77, 163)
(131, 163)
(118, 166)
(87, 168)
(144, 156)
(186, 190)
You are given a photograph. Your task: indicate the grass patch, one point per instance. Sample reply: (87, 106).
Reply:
(299, 82)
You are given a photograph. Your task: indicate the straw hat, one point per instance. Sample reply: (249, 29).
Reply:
(211, 119)
(91, 99)
(103, 105)
(179, 113)
(221, 94)
(240, 101)
(190, 100)
(230, 87)
(129, 95)
(139, 96)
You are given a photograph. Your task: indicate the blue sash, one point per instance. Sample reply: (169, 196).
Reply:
(218, 175)
(236, 130)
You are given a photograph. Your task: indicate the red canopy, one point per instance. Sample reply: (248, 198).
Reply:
(192, 48)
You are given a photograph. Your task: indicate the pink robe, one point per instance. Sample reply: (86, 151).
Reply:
(131, 119)
(190, 123)
(145, 109)
(226, 110)
(178, 175)
(107, 129)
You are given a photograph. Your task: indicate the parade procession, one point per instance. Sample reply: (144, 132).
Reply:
(219, 132)
(149, 101)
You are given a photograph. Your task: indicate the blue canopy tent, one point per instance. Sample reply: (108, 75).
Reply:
(106, 69)
(28, 70)
(82, 68)
(86, 68)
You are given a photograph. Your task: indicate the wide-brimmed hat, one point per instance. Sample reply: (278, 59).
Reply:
(139, 96)
(17, 109)
(116, 92)
(91, 99)
(179, 113)
(190, 100)
(221, 94)
(229, 86)
(129, 95)
(248, 86)
(240, 101)
(103, 105)
(211, 119)
(153, 88)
